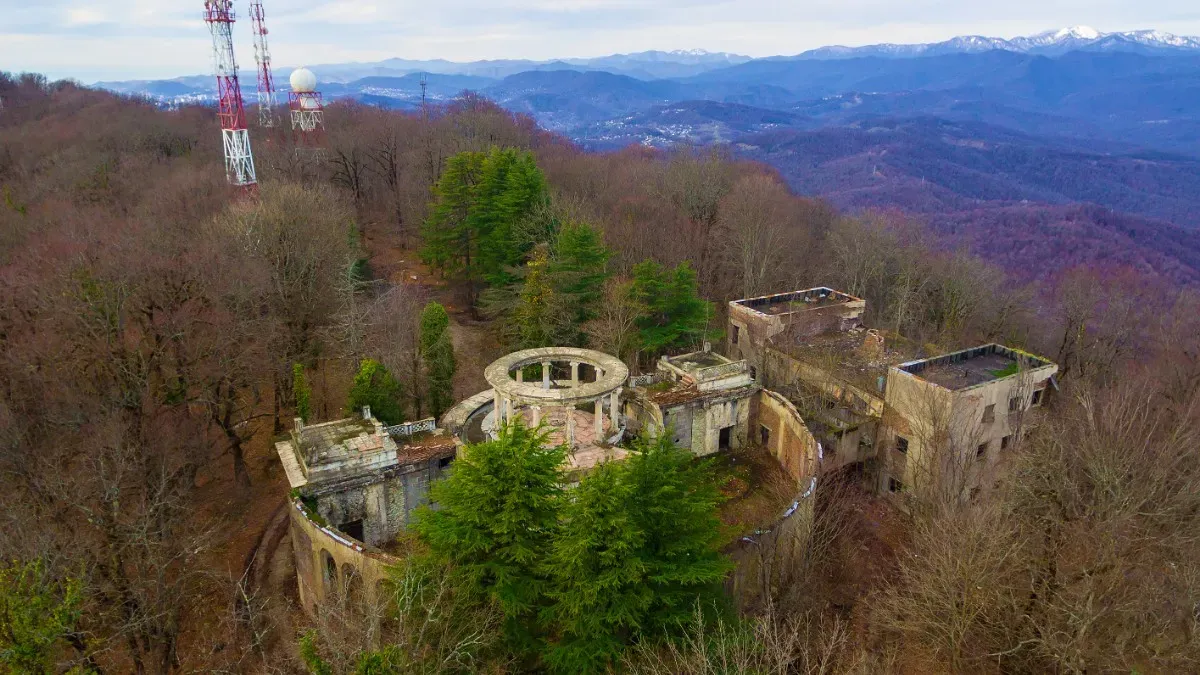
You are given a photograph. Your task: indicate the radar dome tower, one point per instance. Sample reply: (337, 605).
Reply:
(239, 162)
(308, 114)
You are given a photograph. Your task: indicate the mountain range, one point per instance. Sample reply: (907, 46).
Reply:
(1071, 133)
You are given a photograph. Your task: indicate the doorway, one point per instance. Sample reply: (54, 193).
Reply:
(725, 438)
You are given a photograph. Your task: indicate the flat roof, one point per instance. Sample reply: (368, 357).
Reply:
(796, 301)
(855, 356)
(977, 365)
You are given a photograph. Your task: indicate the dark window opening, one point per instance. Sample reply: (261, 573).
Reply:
(989, 413)
(753, 373)
(974, 494)
(736, 331)
(726, 437)
(1005, 442)
(981, 451)
(1014, 404)
(902, 445)
(444, 462)
(354, 529)
(895, 485)
(1037, 397)
(764, 435)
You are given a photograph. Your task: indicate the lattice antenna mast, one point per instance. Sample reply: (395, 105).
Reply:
(262, 56)
(239, 161)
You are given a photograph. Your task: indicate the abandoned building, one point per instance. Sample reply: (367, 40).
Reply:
(951, 418)
(856, 387)
(357, 484)
(755, 323)
(703, 399)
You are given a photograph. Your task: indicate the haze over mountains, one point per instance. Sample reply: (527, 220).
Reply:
(979, 136)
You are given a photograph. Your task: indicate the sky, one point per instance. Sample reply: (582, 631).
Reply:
(132, 39)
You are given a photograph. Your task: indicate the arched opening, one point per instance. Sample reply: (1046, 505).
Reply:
(328, 573)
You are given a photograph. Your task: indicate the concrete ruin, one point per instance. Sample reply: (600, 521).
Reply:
(953, 417)
(870, 397)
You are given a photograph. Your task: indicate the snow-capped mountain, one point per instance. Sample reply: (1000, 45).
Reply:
(1049, 43)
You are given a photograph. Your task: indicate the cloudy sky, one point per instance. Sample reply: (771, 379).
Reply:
(91, 40)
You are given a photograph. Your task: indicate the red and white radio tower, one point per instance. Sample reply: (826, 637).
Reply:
(262, 56)
(239, 162)
(308, 112)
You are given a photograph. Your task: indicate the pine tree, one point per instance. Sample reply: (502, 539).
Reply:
(478, 202)
(578, 269)
(541, 317)
(437, 355)
(600, 587)
(374, 386)
(674, 502)
(496, 513)
(673, 314)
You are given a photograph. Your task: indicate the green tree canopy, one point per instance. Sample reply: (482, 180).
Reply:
(477, 204)
(374, 386)
(672, 313)
(437, 356)
(36, 612)
(541, 316)
(496, 515)
(579, 267)
(601, 592)
(674, 501)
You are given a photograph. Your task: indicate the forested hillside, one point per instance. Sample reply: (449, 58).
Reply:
(158, 330)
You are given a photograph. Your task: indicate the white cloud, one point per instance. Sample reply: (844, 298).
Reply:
(84, 16)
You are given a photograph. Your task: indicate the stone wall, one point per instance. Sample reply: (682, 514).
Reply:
(788, 439)
(329, 564)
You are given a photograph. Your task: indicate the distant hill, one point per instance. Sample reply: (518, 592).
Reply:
(1067, 146)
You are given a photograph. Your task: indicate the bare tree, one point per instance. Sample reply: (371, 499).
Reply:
(614, 330)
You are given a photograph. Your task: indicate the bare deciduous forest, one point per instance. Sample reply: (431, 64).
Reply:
(150, 320)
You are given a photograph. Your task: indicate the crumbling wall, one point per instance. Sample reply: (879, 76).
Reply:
(789, 439)
(318, 550)
(780, 369)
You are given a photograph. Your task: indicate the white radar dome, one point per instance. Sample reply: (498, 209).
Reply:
(303, 80)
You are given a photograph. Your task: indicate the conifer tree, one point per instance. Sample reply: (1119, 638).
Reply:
(374, 386)
(601, 590)
(478, 202)
(674, 501)
(437, 355)
(578, 268)
(541, 317)
(496, 513)
(673, 315)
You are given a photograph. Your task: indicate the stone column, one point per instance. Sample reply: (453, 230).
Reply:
(570, 427)
(497, 409)
(545, 374)
(599, 420)
(520, 374)
(537, 415)
(574, 373)
(614, 401)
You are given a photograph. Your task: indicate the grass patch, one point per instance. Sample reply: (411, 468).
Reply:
(1010, 369)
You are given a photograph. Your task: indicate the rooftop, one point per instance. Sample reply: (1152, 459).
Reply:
(975, 366)
(858, 356)
(796, 301)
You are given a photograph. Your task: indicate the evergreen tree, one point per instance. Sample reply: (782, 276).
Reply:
(374, 386)
(437, 355)
(673, 315)
(496, 513)
(578, 269)
(450, 242)
(478, 202)
(541, 317)
(601, 590)
(302, 392)
(674, 501)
